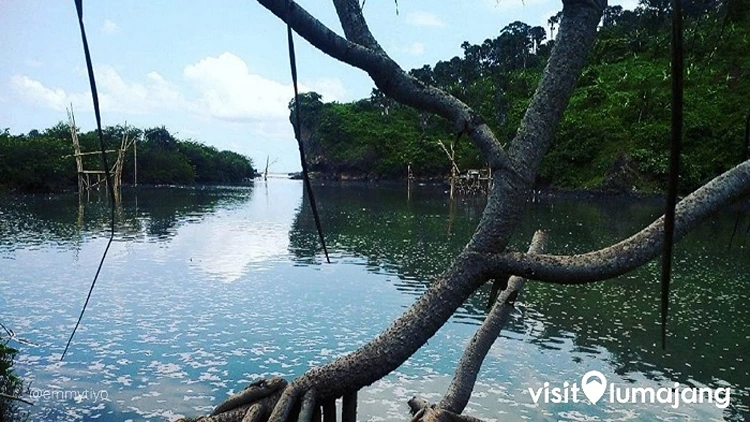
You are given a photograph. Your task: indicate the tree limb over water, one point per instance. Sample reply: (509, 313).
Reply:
(484, 257)
(634, 251)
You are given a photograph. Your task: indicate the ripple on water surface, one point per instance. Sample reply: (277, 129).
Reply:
(206, 290)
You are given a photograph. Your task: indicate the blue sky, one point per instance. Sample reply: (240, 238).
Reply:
(220, 76)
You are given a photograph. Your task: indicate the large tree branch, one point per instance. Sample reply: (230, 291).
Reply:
(387, 74)
(406, 335)
(411, 330)
(634, 251)
(574, 39)
(457, 396)
(354, 24)
(482, 257)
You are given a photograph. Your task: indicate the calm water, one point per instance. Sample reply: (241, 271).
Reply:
(205, 290)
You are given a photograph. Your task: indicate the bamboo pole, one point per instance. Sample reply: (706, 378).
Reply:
(453, 170)
(76, 150)
(135, 163)
(87, 153)
(454, 167)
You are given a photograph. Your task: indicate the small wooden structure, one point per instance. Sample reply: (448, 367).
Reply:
(85, 182)
(473, 181)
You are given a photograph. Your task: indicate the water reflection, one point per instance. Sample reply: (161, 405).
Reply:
(207, 289)
(151, 214)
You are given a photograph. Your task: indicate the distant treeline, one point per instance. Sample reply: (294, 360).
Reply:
(43, 161)
(616, 131)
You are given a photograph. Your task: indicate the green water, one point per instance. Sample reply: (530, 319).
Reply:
(206, 289)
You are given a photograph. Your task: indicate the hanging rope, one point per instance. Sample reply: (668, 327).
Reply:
(105, 164)
(674, 162)
(297, 132)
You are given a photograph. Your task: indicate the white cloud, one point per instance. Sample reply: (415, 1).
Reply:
(34, 92)
(507, 5)
(424, 19)
(330, 88)
(230, 91)
(416, 49)
(277, 129)
(115, 94)
(626, 4)
(109, 27)
(225, 89)
(155, 93)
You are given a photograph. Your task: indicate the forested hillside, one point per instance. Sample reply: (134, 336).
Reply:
(43, 161)
(615, 134)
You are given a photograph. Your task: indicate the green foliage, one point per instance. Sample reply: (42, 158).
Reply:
(620, 112)
(615, 132)
(372, 138)
(35, 161)
(43, 161)
(10, 385)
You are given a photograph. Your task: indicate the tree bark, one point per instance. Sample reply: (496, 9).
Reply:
(634, 251)
(457, 396)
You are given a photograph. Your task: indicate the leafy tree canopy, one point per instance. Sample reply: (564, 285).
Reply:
(616, 130)
(43, 161)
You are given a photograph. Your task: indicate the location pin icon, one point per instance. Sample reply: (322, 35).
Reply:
(593, 385)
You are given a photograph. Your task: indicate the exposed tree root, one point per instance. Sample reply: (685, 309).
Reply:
(307, 412)
(275, 400)
(253, 404)
(252, 393)
(423, 411)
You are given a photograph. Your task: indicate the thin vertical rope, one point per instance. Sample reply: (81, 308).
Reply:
(297, 133)
(110, 188)
(674, 162)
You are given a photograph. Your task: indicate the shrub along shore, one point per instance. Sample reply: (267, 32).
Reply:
(44, 162)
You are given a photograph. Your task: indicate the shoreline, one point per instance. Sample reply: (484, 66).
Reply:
(539, 192)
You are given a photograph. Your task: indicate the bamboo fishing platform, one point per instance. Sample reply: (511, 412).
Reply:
(469, 182)
(94, 179)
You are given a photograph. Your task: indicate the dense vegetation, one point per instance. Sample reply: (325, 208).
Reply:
(43, 161)
(10, 385)
(615, 134)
